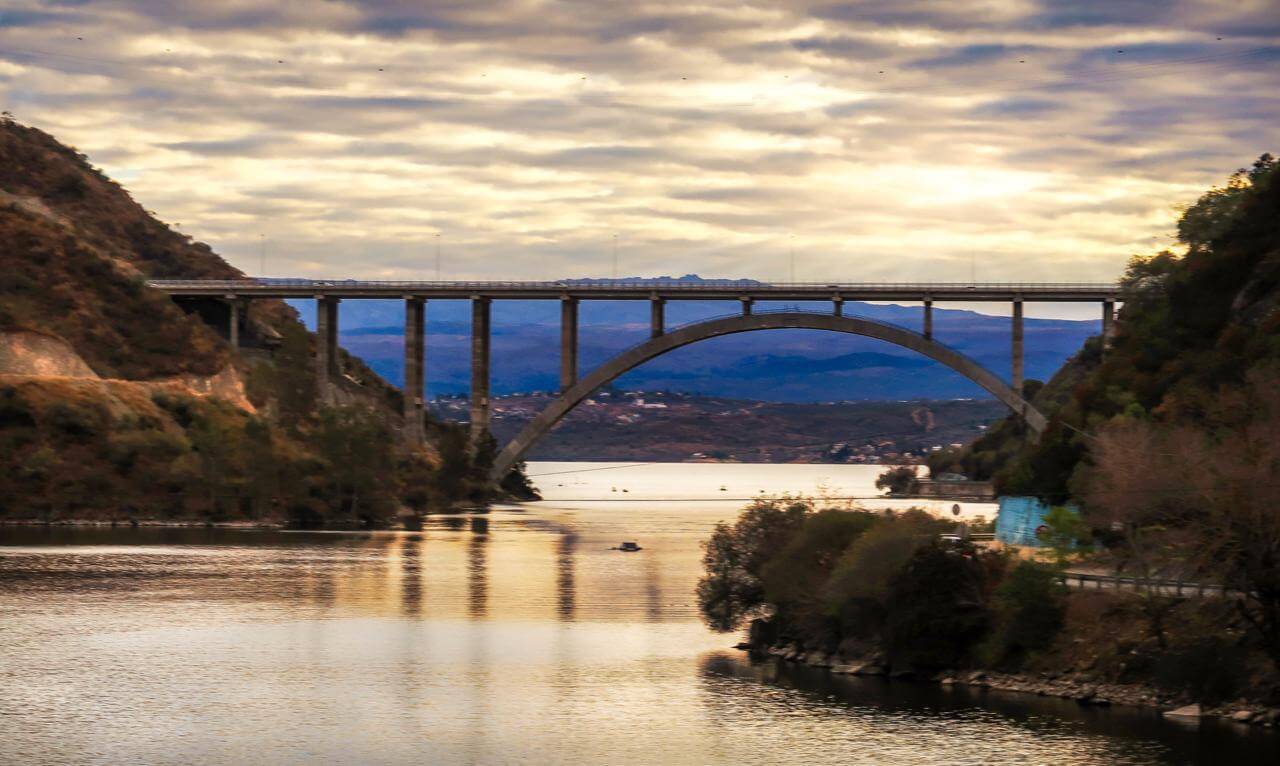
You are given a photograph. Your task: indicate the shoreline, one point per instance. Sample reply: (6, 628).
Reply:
(1080, 687)
(401, 524)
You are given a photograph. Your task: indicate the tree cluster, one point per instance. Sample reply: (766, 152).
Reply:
(881, 582)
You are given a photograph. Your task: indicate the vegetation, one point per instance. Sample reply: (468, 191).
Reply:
(1167, 438)
(146, 440)
(887, 588)
(830, 576)
(112, 450)
(899, 480)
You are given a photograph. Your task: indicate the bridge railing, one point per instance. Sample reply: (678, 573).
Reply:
(1154, 585)
(614, 285)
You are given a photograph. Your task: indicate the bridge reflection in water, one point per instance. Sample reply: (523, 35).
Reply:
(232, 296)
(528, 642)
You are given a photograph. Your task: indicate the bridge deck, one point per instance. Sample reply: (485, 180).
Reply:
(632, 290)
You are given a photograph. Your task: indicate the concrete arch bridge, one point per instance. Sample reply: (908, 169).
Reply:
(224, 302)
(610, 370)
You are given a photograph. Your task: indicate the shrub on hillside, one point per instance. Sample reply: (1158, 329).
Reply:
(936, 608)
(1028, 609)
(1211, 669)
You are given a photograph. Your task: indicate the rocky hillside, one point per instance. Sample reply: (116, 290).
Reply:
(116, 401)
(1194, 328)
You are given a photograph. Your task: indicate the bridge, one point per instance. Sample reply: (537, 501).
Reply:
(574, 388)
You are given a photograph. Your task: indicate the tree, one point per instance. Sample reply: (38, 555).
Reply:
(795, 576)
(734, 558)
(857, 593)
(937, 611)
(1028, 608)
(1204, 499)
(355, 444)
(1064, 532)
(899, 480)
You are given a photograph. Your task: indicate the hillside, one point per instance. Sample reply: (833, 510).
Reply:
(1194, 330)
(115, 402)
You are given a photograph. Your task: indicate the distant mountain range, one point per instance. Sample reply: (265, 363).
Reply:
(780, 365)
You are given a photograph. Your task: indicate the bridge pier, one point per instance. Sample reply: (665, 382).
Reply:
(326, 346)
(1017, 347)
(414, 369)
(479, 369)
(234, 307)
(928, 319)
(746, 305)
(837, 306)
(1108, 322)
(568, 342)
(657, 317)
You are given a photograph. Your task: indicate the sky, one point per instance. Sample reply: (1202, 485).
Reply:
(887, 140)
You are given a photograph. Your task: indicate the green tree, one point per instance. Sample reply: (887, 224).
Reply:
(937, 611)
(1064, 532)
(1029, 606)
(356, 446)
(734, 558)
(858, 591)
(900, 480)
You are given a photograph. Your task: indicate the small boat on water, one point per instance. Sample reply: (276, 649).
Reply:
(628, 546)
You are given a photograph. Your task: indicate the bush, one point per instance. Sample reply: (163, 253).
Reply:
(1029, 606)
(735, 556)
(78, 421)
(857, 592)
(795, 578)
(936, 613)
(1212, 670)
(899, 481)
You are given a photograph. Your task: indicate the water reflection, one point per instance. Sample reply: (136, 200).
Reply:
(520, 639)
(565, 587)
(477, 569)
(411, 575)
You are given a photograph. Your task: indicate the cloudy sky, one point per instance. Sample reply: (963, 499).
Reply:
(878, 140)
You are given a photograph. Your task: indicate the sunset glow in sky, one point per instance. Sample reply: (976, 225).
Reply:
(881, 140)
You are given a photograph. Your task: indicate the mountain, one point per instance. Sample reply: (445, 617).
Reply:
(783, 365)
(117, 402)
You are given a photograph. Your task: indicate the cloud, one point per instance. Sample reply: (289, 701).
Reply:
(886, 139)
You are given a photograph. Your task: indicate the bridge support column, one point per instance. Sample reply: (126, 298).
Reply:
(234, 308)
(1108, 322)
(479, 369)
(837, 306)
(326, 346)
(414, 369)
(1016, 382)
(746, 305)
(928, 319)
(568, 342)
(657, 317)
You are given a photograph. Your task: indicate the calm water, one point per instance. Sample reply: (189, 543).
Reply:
(510, 637)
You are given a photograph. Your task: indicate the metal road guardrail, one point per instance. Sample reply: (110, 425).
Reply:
(624, 289)
(1157, 586)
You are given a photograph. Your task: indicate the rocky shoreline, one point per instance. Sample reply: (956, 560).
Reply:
(1080, 687)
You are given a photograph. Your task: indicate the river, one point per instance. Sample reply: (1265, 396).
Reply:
(514, 636)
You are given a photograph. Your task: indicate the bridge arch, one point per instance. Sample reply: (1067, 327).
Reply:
(637, 355)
